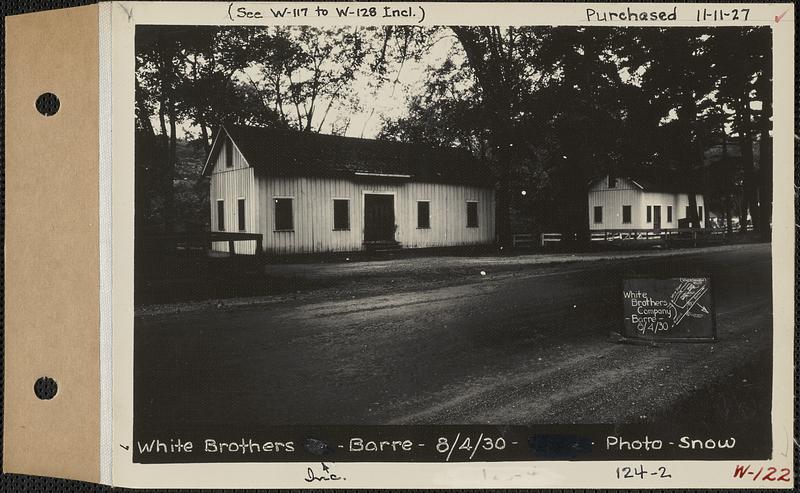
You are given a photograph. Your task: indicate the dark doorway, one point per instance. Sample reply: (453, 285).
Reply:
(657, 217)
(378, 217)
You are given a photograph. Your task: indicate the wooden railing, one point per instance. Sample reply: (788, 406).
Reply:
(522, 240)
(666, 234)
(653, 234)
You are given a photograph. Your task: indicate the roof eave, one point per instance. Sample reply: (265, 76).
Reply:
(213, 151)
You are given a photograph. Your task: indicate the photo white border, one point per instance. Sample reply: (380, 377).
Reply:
(533, 474)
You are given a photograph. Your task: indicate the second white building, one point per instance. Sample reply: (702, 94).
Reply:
(638, 203)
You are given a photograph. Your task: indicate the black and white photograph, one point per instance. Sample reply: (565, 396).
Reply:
(556, 236)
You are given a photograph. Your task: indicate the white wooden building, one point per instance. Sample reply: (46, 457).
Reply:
(307, 192)
(639, 202)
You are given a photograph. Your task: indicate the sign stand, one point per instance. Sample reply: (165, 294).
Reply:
(668, 309)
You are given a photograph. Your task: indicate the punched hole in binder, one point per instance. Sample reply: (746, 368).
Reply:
(45, 388)
(48, 104)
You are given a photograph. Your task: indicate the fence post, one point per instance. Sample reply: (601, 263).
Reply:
(231, 248)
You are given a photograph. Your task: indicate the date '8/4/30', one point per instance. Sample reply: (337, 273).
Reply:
(466, 445)
(639, 472)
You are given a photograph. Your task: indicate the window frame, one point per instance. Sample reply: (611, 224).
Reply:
(629, 210)
(275, 200)
(595, 217)
(477, 215)
(595, 210)
(220, 214)
(341, 199)
(241, 213)
(428, 218)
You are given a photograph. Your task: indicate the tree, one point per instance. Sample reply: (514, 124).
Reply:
(306, 71)
(744, 66)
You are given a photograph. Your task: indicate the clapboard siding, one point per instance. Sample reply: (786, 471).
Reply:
(313, 214)
(312, 208)
(664, 200)
(612, 201)
(678, 201)
(231, 184)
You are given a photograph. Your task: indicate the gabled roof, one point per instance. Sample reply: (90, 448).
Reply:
(282, 152)
(656, 179)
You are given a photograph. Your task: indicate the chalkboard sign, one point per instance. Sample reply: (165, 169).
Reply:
(669, 309)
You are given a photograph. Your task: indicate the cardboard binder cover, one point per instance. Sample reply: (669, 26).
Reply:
(51, 245)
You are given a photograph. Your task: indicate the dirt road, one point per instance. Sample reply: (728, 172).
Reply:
(522, 344)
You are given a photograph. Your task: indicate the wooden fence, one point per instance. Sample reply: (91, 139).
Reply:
(693, 235)
(625, 236)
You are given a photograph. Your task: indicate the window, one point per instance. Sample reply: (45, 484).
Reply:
(612, 182)
(284, 216)
(700, 213)
(228, 153)
(669, 213)
(598, 213)
(626, 214)
(240, 212)
(472, 214)
(220, 215)
(649, 214)
(424, 214)
(341, 214)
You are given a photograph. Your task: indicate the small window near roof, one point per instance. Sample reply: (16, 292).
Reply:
(423, 214)
(228, 153)
(612, 182)
(284, 216)
(341, 214)
(472, 214)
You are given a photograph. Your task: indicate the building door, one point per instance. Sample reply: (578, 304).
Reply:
(378, 217)
(657, 217)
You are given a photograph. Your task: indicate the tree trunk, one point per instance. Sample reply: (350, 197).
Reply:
(204, 134)
(765, 170)
(764, 88)
(743, 212)
(750, 176)
(688, 113)
(728, 186)
(486, 60)
(167, 108)
(502, 215)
